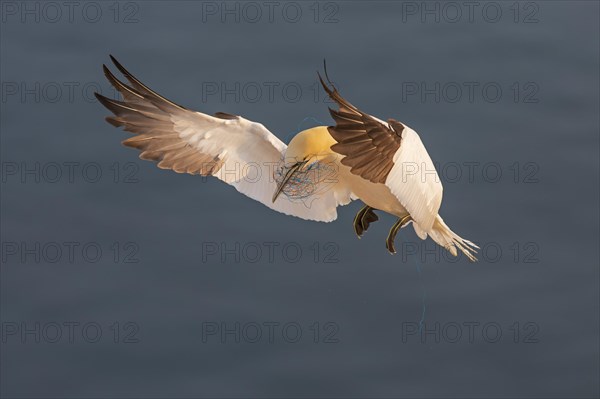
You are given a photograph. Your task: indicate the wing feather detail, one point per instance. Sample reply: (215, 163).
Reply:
(237, 151)
(390, 153)
(361, 137)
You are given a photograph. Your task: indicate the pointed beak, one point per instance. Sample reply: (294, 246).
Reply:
(288, 175)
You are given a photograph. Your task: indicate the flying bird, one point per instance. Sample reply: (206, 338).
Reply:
(382, 163)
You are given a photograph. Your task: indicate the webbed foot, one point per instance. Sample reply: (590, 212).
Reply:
(389, 242)
(363, 220)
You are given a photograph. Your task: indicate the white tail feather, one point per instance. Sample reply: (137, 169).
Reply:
(442, 234)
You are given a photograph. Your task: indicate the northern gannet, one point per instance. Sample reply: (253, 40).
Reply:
(384, 164)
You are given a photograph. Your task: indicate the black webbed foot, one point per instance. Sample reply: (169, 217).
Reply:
(389, 242)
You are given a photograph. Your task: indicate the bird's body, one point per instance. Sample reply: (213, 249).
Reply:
(384, 164)
(318, 140)
(375, 195)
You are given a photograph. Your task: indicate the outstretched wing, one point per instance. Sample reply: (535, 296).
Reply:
(239, 152)
(389, 153)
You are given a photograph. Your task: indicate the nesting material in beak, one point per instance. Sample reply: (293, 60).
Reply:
(288, 175)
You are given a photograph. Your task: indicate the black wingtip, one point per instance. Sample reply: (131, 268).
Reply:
(326, 74)
(326, 87)
(322, 81)
(106, 71)
(111, 77)
(121, 67)
(329, 86)
(114, 60)
(103, 100)
(325, 68)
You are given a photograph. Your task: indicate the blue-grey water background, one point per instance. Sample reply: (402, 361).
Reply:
(544, 220)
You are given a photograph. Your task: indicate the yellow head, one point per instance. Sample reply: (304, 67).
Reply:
(310, 145)
(306, 148)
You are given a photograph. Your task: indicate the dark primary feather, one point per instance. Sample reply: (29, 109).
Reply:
(368, 146)
(148, 115)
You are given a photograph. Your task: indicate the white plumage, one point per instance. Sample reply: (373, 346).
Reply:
(250, 154)
(384, 164)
